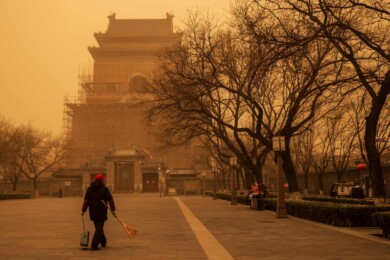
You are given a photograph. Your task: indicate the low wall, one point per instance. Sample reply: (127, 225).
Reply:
(46, 187)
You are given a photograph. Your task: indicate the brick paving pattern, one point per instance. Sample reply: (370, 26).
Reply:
(50, 228)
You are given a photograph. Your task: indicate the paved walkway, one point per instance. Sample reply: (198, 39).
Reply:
(184, 227)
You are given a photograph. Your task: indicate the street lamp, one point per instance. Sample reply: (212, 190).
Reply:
(233, 164)
(214, 170)
(360, 167)
(278, 146)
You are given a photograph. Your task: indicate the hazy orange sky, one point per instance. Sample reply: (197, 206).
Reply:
(44, 43)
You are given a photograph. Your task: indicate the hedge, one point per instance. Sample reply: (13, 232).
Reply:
(337, 214)
(339, 200)
(13, 196)
(382, 220)
(342, 215)
(227, 196)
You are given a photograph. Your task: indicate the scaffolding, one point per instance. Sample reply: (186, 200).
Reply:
(82, 115)
(85, 88)
(86, 94)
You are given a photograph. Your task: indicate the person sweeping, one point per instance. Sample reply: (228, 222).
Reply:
(96, 193)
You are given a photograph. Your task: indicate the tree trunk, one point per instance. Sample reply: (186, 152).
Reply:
(373, 156)
(320, 183)
(223, 182)
(339, 176)
(289, 171)
(243, 178)
(258, 174)
(248, 179)
(306, 176)
(5, 186)
(229, 181)
(219, 180)
(14, 182)
(35, 187)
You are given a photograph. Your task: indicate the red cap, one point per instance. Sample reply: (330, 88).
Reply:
(99, 177)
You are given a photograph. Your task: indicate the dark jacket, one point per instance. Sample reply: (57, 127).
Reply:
(97, 192)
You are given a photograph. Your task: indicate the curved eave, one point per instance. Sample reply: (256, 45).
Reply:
(107, 52)
(102, 38)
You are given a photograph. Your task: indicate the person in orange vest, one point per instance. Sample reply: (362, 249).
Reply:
(254, 191)
(255, 188)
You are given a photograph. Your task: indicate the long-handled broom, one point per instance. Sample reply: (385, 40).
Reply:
(129, 230)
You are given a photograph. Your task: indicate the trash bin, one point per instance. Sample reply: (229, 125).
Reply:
(257, 202)
(254, 203)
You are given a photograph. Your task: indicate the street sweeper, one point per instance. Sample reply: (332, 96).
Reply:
(96, 193)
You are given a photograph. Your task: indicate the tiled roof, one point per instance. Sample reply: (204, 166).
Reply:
(139, 27)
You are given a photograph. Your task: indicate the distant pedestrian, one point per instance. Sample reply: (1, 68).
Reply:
(254, 191)
(255, 188)
(60, 194)
(97, 192)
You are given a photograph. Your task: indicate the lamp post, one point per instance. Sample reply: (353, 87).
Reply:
(5, 183)
(203, 182)
(233, 164)
(160, 178)
(213, 170)
(278, 146)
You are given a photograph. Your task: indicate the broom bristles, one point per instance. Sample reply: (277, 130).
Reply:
(131, 232)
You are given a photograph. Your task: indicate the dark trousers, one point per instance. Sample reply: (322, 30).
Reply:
(99, 236)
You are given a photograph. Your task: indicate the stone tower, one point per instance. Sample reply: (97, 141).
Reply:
(105, 128)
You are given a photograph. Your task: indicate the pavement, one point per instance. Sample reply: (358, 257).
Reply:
(183, 227)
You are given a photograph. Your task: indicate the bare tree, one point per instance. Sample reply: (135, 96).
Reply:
(213, 81)
(5, 129)
(322, 152)
(341, 135)
(39, 153)
(356, 112)
(9, 148)
(360, 32)
(303, 146)
(8, 168)
(198, 90)
(305, 76)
